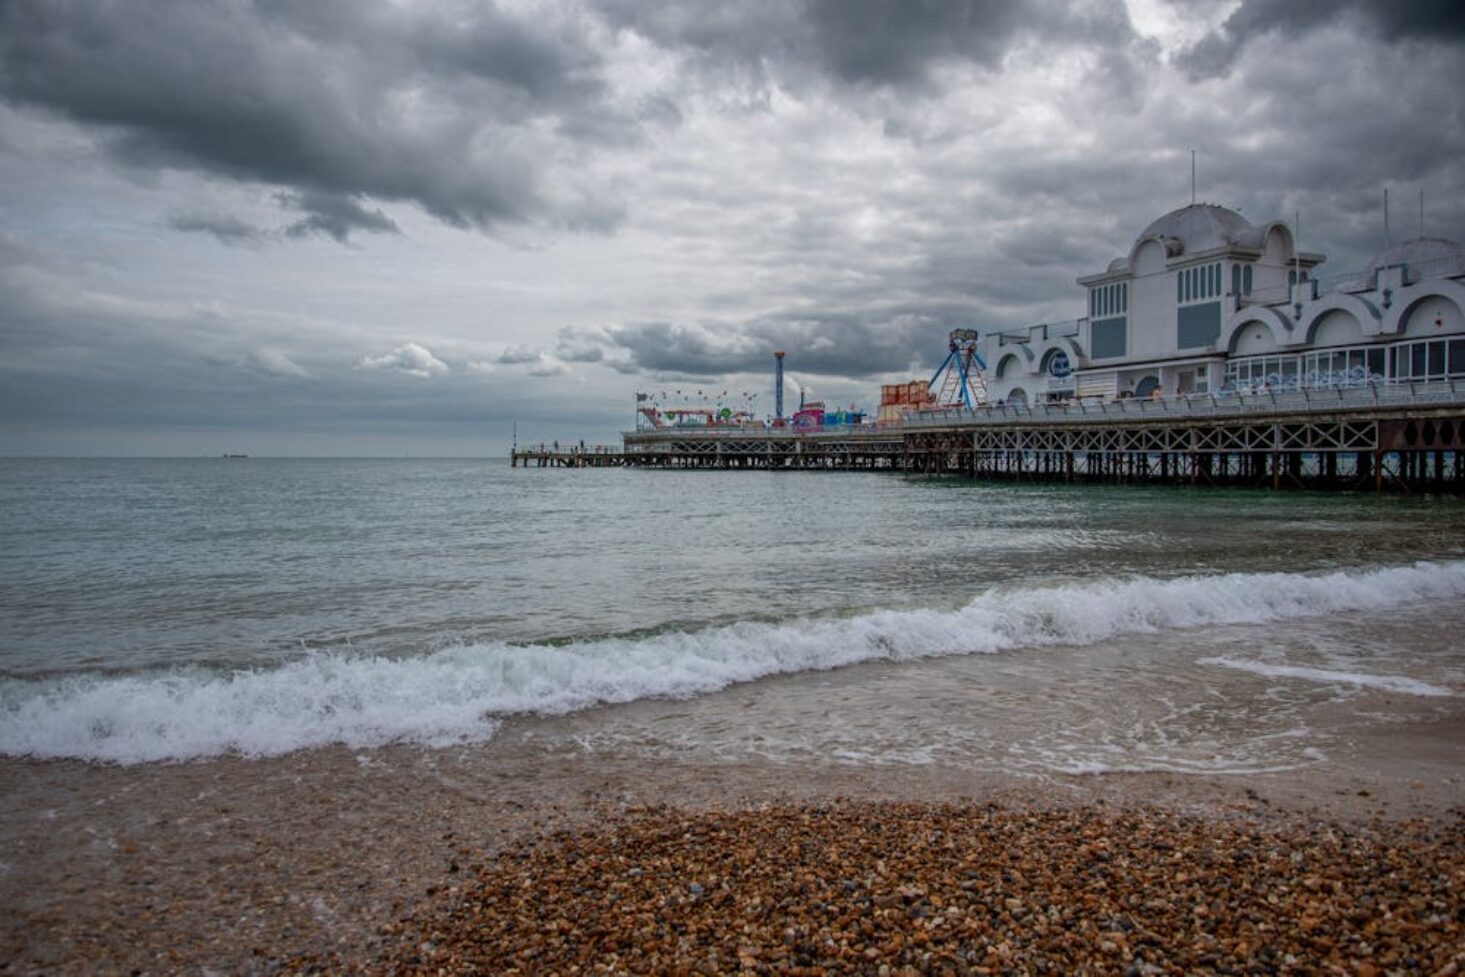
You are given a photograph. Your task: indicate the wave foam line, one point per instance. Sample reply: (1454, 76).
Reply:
(1389, 683)
(455, 695)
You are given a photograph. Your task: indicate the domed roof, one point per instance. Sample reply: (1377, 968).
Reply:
(1198, 227)
(1414, 252)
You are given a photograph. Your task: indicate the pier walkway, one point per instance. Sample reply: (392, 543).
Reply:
(568, 456)
(1397, 437)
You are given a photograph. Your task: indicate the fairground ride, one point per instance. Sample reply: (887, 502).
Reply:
(961, 381)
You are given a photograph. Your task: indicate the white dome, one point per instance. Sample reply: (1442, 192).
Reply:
(1415, 252)
(1198, 227)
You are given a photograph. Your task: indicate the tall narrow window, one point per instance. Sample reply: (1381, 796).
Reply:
(1235, 279)
(1246, 280)
(1180, 287)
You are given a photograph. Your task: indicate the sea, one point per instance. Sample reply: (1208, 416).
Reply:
(189, 610)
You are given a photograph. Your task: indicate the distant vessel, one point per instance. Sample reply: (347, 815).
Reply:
(227, 455)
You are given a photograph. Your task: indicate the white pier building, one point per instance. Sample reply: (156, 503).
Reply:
(1206, 302)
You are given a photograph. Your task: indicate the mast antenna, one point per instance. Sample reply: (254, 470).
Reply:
(1297, 252)
(1388, 238)
(1192, 177)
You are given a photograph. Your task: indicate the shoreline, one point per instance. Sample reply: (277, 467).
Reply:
(236, 864)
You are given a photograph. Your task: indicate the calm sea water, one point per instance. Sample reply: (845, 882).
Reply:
(179, 609)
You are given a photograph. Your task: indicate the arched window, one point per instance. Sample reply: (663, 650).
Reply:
(1235, 279)
(1246, 280)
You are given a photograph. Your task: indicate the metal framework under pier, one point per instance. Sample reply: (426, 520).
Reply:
(1403, 438)
(1315, 453)
(774, 450)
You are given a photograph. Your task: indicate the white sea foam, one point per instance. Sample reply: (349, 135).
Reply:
(457, 694)
(1389, 683)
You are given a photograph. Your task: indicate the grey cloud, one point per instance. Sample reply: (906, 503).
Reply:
(273, 362)
(580, 345)
(337, 100)
(106, 378)
(668, 347)
(893, 43)
(518, 354)
(1430, 20)
(860, 343)
(538, 362)
(225, 229)
(335, 215)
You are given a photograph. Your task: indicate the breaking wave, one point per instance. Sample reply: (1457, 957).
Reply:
(459, 694)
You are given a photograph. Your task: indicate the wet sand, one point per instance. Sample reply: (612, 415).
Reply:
(231, 866)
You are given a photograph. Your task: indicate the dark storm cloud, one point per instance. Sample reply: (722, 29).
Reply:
(865, 42)
(1438, 21)
(335, 101)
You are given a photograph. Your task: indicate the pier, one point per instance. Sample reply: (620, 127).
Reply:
(1378, 438)
(568, 456)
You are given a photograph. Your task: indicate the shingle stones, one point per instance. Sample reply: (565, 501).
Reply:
(899, 889)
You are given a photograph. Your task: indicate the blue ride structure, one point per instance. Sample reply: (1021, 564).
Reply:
(961, 379)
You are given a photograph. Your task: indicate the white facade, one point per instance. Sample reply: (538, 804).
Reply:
(1205, 302)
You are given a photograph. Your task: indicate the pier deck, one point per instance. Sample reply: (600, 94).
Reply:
(1377, 438)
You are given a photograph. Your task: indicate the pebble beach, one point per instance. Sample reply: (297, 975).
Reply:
(905, 888)
(504, 860)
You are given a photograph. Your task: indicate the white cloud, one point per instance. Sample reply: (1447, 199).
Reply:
(408, 358)
(548, 366)
(275, 363)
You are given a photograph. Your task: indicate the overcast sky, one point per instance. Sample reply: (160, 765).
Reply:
(368, 227)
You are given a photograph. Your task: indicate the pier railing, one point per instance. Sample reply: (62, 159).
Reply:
(1229, 403)
(1403, 395)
